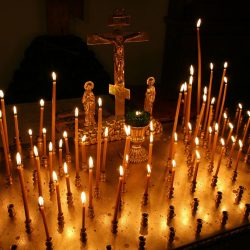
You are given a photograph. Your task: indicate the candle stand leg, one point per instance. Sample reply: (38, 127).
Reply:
(83, 235)
(91, 213)
(77, 181)
(193, 186)
(142, 242)
(234, 177)
(44, 161)
(97, 192)
(224, 218)
(171, 214)
(69, 199)
(60, 219)
(171, 235)
(68, 158)
(11, 210)
(49, 244)
(145, 199)
(108, 247)
(114, 226)
(194, 205)
(211, 167)
(218, 199)
(144, 221)
(214, 181)
(229, 162)
(103, 176)
(28, 228)
(198, 227)
(246, 212)
(51, 186)
(239, 194)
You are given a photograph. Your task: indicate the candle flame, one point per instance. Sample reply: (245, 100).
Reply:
(211, 66)
(65, 167)
(84, 138)
(91, 162)
(189, 126)
(231, 125)
(204, 98)
(240, 144)
(83, 198)
(41, 102)
(151, 126)
(35, 151)
(40, 201)
(198, 156)
(0, 114)
(210, 130)
(18, 159)
(50, 146)
(175, 137)
(196, 140)
(106, 132)
(14, 110)
(54, 175)
(54, 76)
(213, 100)
(60, 143)
(225, 65)
(225, 115)
(222, 141)
(99, 102)
(1, 94)
(173, 163)
(137, 113)
(240, 106)
(198, 24)
(233, 139)
(225, 79)
(127, 130)
(44, 130)
(191, 70)
(248, 112)
(126, 158)
(65, 134)
(76, 112)
(216, 127)
(185, 86)
(151, 138)
(121, 170)
(182, 88)
(205, 90)
(148, 169)
(30, 132)
(191, 80)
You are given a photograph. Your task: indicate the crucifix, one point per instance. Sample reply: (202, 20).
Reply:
(118, 38)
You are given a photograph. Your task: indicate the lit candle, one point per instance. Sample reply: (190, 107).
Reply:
(173, 174)
(236, 115)
(84, 156)
(174, 145)
(83, 199)
(230, 133)
(118, 194)
(58, 197)
(60, 160)
(210, 116)
(210, 137)
(223, 100)
(90, 182)
(41, 208)
(39, 181)
(214, 141)
(239, 119)
(41, 118)
(209, 96)
(221, 155)
(224, 124)
(127, 143)
(5, 127)
(51, 161)
(238, 155)
(189, 96)
(220, 91)
(150, 149)
(24, 193)
(185, 102)
(65, 168)
(232, 148)
(246, 127)
(53, 121)
(147, 180)
(31, 140)
(104, 153)
(189, 131)
(18, 145)
(199, 65)
(197, 162)
(6, 157)
(44, 142)
(77, 148)
(99, 144)
(65, 136)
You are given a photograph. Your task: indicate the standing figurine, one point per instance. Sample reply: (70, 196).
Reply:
(88, 101)
(150, 95)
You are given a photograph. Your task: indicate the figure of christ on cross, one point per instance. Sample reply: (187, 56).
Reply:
(117, 39)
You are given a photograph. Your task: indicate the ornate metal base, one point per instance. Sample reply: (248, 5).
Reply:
(28, 228)
(60, 219)
(77, 181)
(51, 186)
(70, 199)
(138, 154)
(44, 161)
(83, 235)
(114, 226)
(49, 244)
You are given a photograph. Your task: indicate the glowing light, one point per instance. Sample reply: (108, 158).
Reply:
(65, 134)
(18, 159)
(127, 130)
(233, 139)
(50, 146)
(198, 24)
(76, 112)
(54, 76)
(54, 175)
(60, 143)
(42, 103)
(240, 144)
(175, 137)
(225, 65)
(106, 132)
(189, 126)
(121, 170)
(40, 201)
(137, 113)
(198, 156)
(35, 151)
(151, 138)
(240, 105)
(99, 102)
(0, 114)
(210, 130)
(14, 110)
(225, 115)
(1, 94)
(191, 70)
(204, 98)
(185, 86)
(248, 112)
(191, 80)
(213, 100)
(182, 88)
(148, 168)
(216, 127)
(44, 130)
(83, 197)
(65, 168)
(91, 162)
(211, 66)
(205, 90)
(151, 126)
(225, 79)
(173, 163)
(231, 125)
(30, 132)
(222, 141)
(126, 158)
(84, 138)
(196, 140)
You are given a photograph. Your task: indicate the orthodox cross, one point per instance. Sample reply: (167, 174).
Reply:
(118, 38)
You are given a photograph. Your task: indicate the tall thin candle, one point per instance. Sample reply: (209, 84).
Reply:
(221, 155)
(58, 197)
(41, 208)
(239, 119)
(223, 100)
(53, 121)
(83, 199)
(77, 182)
(41, 118)
(127, 143)
(18, 145)
(104, 154)
(38, 166)
(238, 156)
(90, 183)
(230, 133)
(84, 156)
